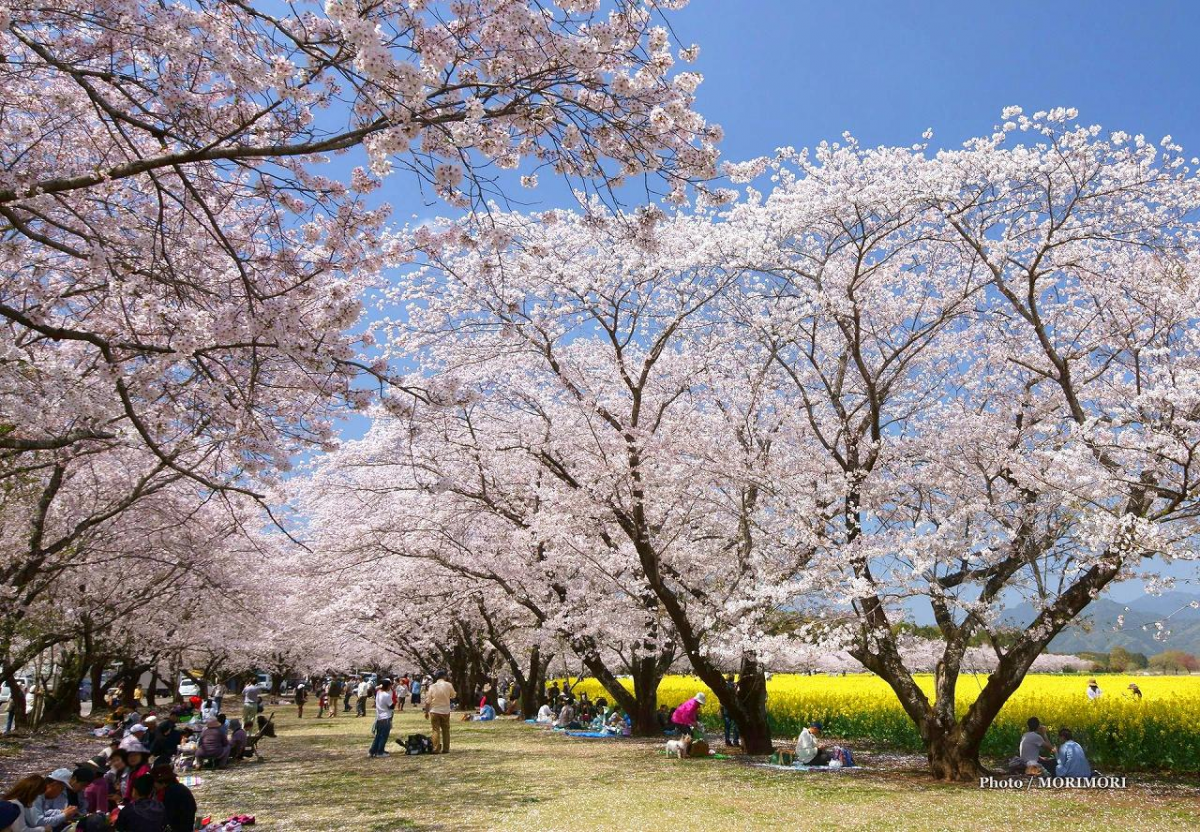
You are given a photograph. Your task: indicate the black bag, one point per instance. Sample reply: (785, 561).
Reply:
(417, 744)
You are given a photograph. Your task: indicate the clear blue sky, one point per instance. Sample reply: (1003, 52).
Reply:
(793, 73)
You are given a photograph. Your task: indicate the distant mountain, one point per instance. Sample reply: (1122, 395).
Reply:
(1097, 628)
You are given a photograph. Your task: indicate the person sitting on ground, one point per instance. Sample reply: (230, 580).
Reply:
(686, 718)
(544, 715)
(165, 743)
(212, 744)
(808, 753)
(96, 798)
(1071, 761)
(237, 740)
(143, 813)
(501, 704)
(10, 815)
(51, 808)
(117, 777)
(208, 710)
(566, 716)
(1032, 742)
(179, 804)
(139, 764)
(23, 795)
(663, 718)
(134, 736)
(486, 714)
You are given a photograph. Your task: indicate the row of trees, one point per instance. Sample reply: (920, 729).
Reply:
(182, 280)
(633, 440)
(962, 379)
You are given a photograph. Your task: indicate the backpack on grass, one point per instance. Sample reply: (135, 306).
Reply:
(417, 744)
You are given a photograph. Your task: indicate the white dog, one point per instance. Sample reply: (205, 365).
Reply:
(680, 747)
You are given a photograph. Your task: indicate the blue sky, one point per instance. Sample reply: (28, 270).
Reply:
(780, 73)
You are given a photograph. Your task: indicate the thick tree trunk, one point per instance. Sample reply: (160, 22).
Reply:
(954, 756)
(99, 701)
(534, 683)
(643, 717)
(754, 729)
(61, 704)
(151, 688)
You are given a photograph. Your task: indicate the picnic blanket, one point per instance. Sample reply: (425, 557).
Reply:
(595, 735)
(808, 768)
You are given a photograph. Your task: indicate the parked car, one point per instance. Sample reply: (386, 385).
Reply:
(188, 688)
(6, 694)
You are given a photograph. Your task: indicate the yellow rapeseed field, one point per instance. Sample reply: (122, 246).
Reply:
(1159, 731)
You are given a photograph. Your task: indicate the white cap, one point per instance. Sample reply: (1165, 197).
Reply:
(62, 775)
(700, 697)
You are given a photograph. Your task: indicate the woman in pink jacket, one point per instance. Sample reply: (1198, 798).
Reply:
(687, 715)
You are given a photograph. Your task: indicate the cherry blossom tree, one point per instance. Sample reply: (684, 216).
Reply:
(182, 272)
(993, 350)
(652, 435)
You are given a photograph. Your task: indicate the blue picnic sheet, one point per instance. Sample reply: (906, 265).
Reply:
(595, 735)
(807, 768)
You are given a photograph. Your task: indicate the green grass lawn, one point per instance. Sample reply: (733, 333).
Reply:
(507, 775)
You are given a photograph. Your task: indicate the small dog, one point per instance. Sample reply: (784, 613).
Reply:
(680, 748)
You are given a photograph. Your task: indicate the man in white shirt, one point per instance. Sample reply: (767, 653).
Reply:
(250, 696)
(361, 692)
(218, 694)
(383, 719)
(437, 711)
(808, 753)
(1093, 690)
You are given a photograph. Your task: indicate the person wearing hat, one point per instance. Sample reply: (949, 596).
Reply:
(437, 711)
(176, 798)
(138, 758)
(51, 807)
(95, 789)
(212, 744)
(687, 716)
(301, 698)
(808, 753)
(1093, 690)
(1135, 691)
(133, 736)
(165, 742)
(10, 813)
(383, 719)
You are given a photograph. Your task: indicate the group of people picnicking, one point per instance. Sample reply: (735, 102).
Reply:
(583, 714)
(1037, 755)
(133, 784)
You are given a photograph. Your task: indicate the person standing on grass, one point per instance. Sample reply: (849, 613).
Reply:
(251, 694)
(346, 697)
(301, 698)
(402, 692)
(383, 719)
(415, 690)
(437, 711)
(732, 737)
(334, 690)
(217, 695)
(363, 691)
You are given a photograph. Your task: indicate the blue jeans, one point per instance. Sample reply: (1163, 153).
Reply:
(732, 737)
(383, 727)
(12, 720)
